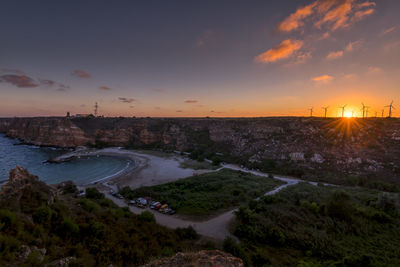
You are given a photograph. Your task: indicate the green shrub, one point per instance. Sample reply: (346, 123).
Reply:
(93, 193)
(186, 233)
(236, 250)
(42, 215)
(89, 205)
(7, 220)
(147, 216)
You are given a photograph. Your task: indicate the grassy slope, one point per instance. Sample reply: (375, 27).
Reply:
(320, 226)
(92, 229)
(208, 193)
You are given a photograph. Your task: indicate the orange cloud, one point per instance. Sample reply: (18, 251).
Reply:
(324, 78)
(353, 45)
(389, 30)
(191, 101)
(282, 51)
(334, 55)
(335, 14)
(295, 20)
(359, 15)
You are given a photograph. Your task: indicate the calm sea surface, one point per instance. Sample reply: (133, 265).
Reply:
(81, 171)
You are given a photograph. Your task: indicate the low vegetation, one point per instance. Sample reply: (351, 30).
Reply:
(92, 230)
(207, 193)
(305, 225)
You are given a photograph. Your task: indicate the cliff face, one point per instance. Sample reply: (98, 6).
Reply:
(356, 146)
(204, 258)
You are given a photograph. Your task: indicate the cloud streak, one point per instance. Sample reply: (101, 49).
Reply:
(191, 101)
(105, 88)
(323, 78)
(20, 81)
(284, 50)
(334, 55)
(81, 74)
(333, 14)
(126, 100)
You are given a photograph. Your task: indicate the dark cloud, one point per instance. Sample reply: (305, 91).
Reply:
(126, 100)
(81, 74)
(60, 87)
(105, 88)
(179, 111)
(47, 82)
(191, 101)
(21, 81)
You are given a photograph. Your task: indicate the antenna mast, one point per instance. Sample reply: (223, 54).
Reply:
(96, 107)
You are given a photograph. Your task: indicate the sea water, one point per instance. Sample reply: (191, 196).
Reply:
(82, 171)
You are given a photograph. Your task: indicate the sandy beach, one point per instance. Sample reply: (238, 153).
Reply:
(149, 168)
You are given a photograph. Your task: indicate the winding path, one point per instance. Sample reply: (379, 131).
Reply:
(217, 227)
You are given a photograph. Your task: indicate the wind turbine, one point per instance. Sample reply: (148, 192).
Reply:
(311, 111)
(343, 110)
(326, 109)
(383, 112)
(390, 109)
(364, 110)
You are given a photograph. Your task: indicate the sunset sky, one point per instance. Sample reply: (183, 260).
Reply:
(199, 58)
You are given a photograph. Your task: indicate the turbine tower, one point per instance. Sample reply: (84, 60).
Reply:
(364, 110)
(325, 109)
(96, 107)
(343, 110)
(390, 108)
(311, 111)
(383, 112)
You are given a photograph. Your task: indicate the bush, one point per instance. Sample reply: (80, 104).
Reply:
(236, 250)
(89, 205)
(7, 220)
(42, 215)
(68, 228)
(147, 216)
(339, 206)
(93, 193)
(186, 233)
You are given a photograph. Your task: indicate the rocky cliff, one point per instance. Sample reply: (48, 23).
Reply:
(204, 258)
(355, 146)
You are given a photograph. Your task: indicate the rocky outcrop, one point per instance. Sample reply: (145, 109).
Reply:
(204, 258)
(23, 191)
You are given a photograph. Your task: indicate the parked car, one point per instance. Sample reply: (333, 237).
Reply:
(166, 211)
(112, 192)
(171, 212)
(141, 202)
(119, 196)
(163, 207)
(154, 204)
(131, 202)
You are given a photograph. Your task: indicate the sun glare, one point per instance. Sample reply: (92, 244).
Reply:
(348, 114)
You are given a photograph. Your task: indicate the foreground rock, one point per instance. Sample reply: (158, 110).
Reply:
(24, 190)
(204, 258)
